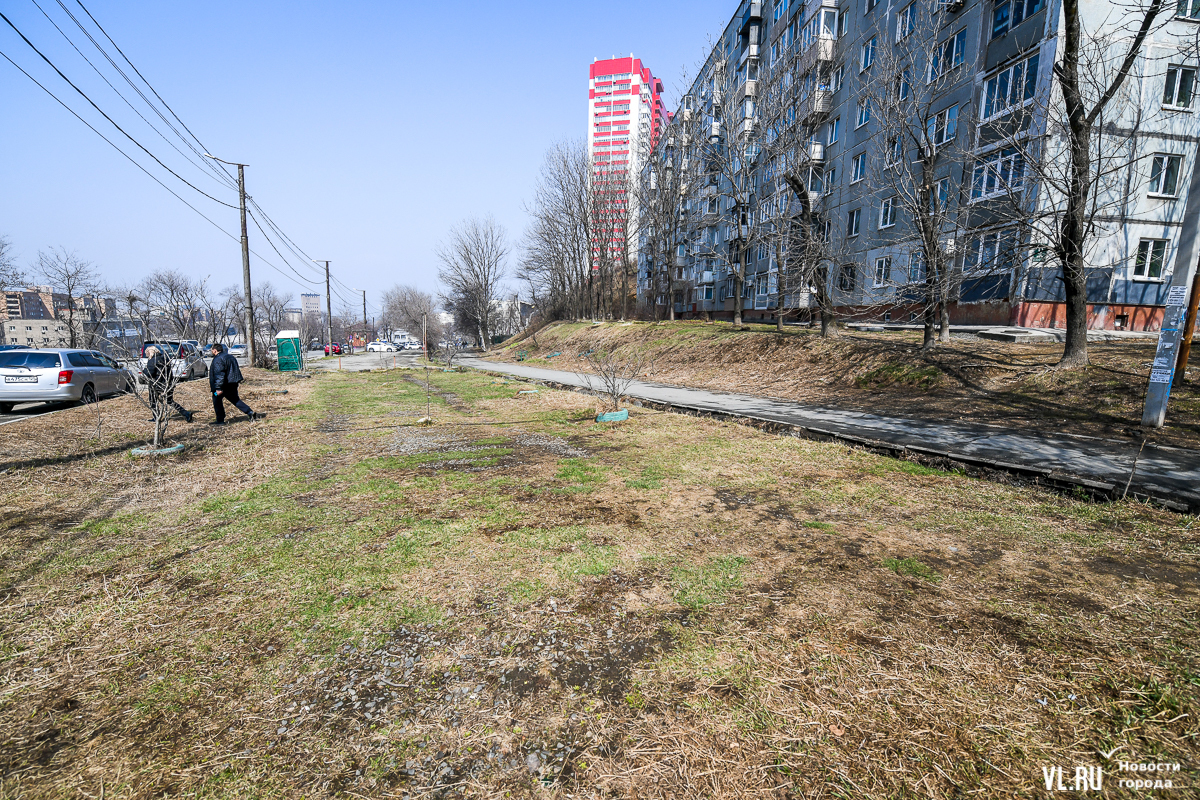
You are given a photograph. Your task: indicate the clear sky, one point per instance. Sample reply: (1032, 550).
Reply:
(370, 127)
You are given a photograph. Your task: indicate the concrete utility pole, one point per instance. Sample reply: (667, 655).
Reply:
(328, 308)
(365, 328)
(251, 349)
(1179, 317)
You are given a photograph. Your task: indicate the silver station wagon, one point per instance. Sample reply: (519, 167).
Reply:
(59, 376)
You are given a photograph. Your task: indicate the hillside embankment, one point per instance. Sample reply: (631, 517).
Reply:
(968, 379)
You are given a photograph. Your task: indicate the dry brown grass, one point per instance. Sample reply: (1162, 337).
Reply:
(670, 607)
(972, 380)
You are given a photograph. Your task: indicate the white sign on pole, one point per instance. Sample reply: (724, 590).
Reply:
(1177, 296)
(1160, 376)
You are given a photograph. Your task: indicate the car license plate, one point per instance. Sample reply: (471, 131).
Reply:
(20, 379)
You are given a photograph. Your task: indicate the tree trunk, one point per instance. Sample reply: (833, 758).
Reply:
(929, 341)
(944, 329)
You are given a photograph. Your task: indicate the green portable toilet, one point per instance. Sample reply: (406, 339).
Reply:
(289, 351)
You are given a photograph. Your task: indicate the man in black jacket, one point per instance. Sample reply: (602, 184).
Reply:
(224, 376)
(161, 381)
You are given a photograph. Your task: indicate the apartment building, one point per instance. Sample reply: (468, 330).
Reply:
(310, 305)
(626, 117)
(982, 70)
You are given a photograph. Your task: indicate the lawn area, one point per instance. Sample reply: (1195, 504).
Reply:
(516, 601)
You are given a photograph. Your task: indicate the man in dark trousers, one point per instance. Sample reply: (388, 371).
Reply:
(224, 376)
(161, 382)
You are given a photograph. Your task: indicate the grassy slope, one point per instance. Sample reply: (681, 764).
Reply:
(670, 607)
(971, 380)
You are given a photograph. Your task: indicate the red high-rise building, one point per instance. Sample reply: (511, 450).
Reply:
(626, 115)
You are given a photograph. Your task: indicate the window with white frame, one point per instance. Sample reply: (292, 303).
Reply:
(830, 180)
(940, 199)
(942, 127)
(1188, 9)
(948, 55)
(864, 113)
(887, 212)
(1010, 87)
(852, 222)
(858, 168)
(1151, 258)
(839, 75)
(901, 87)
(1180, 88)
(1164, 174)
(1008, 14)
(906, 20)
(780, 9)
(832, 130)
(894, 152)
(883, 270)
(868, 55)
(916, 267)
(871, 4)
(999, 172)
(994, 251)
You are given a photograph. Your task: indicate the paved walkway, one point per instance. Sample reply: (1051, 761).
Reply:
(1167, 474)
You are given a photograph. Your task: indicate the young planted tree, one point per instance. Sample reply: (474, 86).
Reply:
(473, 266)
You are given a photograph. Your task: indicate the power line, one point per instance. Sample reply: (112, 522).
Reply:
(118, 92)
(106, 116)
(220, 168)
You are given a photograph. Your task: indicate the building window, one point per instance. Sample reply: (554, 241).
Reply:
(830, 180)
(871, 4)
(894, 152)
(868, 55)
(940, 200)
(1151, 255)
(1010, 87)
(883, 269)
(833, 130)
(780, 8)
(994, 251)
(852, 222)
(847, 276)
(842, 15)
(901, 88)
(1164, 174)
(905, 21)
(948, 55)
(999, 172)
(858, 169)
(943, 126)
(916, 267)
(1188, 9)
(1180, 86)
(864, 113)
(887, 212)
(839, 75)
(1008, 14)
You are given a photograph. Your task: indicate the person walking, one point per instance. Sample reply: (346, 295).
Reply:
(224, 376)
(161, 381)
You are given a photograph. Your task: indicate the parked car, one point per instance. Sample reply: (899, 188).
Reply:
(316, 347)
(187, 362)
(334, 349)
(4, 347)
(273, 353)
(59, 376)
(382, 347)
(238, 350)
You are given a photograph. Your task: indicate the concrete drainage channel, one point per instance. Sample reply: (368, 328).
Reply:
(926, 456)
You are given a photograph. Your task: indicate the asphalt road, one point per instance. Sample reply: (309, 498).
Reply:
(1167, 473)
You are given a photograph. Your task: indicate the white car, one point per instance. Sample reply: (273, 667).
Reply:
(238, 350)
(382, 347)
(187, 363)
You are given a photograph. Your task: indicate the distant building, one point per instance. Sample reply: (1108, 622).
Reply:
(310, 304)
(37, 332)
(293, 316)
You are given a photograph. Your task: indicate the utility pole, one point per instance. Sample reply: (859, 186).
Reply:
(328, 308)
(251, 349)
(364, 291)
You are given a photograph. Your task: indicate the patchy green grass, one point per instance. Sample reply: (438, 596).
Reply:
(699, 586)
(911, 567)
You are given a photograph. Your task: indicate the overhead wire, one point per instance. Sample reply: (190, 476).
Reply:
(215, 166)
(104, 78)
(84, 95)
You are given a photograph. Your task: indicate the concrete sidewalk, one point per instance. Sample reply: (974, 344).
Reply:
(1167, 474)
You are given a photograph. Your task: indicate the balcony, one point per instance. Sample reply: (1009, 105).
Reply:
(753, 16)
(819, 50)
(816, 152)
(816, 106)
(706, 276)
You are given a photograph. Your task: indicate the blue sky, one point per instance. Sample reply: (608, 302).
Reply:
(370, 127)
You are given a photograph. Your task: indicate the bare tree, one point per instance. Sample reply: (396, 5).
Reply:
(410, 309)
(915, 166)
(271, 311)
(10, 275)
(75, 278)
(556, 263)
(473, 265)
(611, 374)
